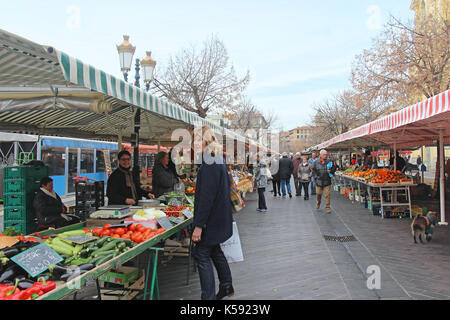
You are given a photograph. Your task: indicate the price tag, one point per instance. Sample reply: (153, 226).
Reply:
(187, 213)
(189, 200)
(164, 223)
(176, 220)
(37, 259)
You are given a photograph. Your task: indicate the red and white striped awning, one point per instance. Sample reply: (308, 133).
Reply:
(416, 125)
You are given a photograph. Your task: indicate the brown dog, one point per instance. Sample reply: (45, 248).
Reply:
(424, 226)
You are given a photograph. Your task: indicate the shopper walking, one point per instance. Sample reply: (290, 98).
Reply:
(322, 169)
(313, 179)
(275, 172)
(296, 162)
(261, 183)
(286, 171)
(304, 173)
(213, 221)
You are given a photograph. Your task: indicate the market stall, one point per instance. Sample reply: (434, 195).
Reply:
(379, 189)
(46, 91)
(423, 124)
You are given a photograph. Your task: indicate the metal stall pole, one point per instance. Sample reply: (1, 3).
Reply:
(442, 176)
(137, 125)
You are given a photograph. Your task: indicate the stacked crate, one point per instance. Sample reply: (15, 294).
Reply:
(20, 184)
(89, 196)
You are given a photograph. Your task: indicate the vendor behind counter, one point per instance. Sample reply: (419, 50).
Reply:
(122, 189)
(163, 178)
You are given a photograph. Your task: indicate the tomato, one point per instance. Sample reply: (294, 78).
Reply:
(116, 236)
(129, 233)
(106, 226)
(106, 232)
(140, 228)
(120, 231)
(125, 236)
(96, 231)
(132, 227)
(87, 230)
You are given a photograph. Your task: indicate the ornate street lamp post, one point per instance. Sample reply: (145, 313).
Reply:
(126, 52)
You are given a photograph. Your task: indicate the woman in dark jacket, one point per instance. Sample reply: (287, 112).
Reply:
(213, 220)
(122, 189)
(163, 179)
(50, 210)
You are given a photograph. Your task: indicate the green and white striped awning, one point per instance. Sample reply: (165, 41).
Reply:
(25, 64)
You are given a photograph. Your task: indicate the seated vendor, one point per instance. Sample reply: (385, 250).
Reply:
(163, 179)
(121, 188)
(49, 208)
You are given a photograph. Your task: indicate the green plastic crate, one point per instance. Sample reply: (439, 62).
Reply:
(13, 185)
(26, 227)
(25, 172)
(15, 200)
(15, 213)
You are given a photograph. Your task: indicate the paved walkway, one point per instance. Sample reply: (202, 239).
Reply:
(287, 257)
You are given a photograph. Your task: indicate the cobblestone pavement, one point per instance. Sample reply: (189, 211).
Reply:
(287, 257)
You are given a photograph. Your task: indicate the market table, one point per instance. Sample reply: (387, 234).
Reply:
(63, 289)
(394, 188)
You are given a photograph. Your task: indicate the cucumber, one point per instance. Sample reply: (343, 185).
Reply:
(107, 247)
(104, 260)
(80, 261)
(101, 242)
(121, 245)
(104, 253)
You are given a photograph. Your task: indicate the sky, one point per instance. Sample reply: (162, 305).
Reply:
(298, 52)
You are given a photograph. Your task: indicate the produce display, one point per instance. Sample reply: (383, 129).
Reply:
(378, 176)
(175, 211)
(82, 250)
(15, 282)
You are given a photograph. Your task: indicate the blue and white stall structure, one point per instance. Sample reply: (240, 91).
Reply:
(66, 158)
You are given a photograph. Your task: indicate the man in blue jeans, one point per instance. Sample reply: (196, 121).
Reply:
(313, 182)
(286, 170)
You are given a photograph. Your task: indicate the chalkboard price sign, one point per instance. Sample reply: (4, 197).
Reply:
(37, 259)
(164, 223)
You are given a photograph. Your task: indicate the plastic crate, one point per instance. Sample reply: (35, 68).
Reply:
(19, 225)
(25, 172)
(13, 185)
(15, 200)
(15, 213)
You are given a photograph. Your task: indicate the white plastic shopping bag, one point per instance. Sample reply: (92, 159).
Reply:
(232, 248)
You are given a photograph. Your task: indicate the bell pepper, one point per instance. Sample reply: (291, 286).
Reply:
(10, 292)
(44, 285)
(31, 293)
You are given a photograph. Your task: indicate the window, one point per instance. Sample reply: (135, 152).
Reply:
(298, 131)
(100, 161)
(298, 137)
(114, 160)
(55, 159)
(87, 161)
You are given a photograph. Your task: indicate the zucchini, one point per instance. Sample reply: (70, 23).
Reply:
(61, 243)
(71, 234)
(101, 242)
(103, 253)
(62, 250)
(107, 247)
(77, 249)
(80, 261)
(121, 245)
(104, 260)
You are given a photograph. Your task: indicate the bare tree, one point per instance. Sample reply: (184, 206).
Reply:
(405, 63)
(334, 116)
(202, 81)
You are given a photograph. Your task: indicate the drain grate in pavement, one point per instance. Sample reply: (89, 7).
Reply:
(340, 238)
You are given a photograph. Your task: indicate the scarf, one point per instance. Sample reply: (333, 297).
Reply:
(50, 194)
(129, 181)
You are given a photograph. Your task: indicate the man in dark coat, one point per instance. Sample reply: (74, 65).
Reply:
(213, 222)
(286, 171)
(322, 169)
(121, 188)
(49, 208)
